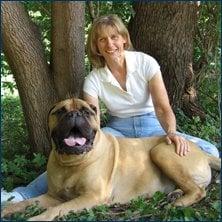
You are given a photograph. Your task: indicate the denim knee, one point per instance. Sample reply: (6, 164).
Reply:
(203, 144)
(37, 187)
(112, 131)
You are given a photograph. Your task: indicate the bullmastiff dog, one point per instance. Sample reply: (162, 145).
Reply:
(87, 167)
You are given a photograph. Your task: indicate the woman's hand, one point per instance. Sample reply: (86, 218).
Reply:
(182, 147)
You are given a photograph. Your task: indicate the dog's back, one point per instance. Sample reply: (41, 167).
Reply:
(135, 155)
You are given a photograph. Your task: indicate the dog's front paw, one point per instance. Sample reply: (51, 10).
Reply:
(12, 208)
(8, 210)
(46, 216)
(38, 218)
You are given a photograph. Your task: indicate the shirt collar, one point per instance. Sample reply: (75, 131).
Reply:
(106, 74)
(130, 62)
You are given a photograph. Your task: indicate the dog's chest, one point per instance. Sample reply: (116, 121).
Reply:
(64, 185)
(67, 193)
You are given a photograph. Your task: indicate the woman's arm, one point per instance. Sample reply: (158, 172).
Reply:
(165, 113)
(161, 104)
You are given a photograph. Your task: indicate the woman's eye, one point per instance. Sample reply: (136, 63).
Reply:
(102, 40)
(114, 37)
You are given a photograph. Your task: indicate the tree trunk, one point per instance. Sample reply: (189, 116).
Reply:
(25, 55)
(166, 31)
(68, 47)
(38, 86)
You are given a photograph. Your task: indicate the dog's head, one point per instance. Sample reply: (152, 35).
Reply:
(72, 125)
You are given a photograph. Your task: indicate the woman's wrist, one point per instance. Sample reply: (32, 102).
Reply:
(171, 133)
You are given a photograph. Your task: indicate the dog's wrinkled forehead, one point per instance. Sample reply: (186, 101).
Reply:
(65, 106)
(69, 105)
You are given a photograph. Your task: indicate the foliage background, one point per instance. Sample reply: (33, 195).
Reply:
(19, 166)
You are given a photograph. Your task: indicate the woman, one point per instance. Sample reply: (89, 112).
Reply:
(131, 86)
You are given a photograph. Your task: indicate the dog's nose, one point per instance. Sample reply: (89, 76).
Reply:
(74, 114)
(71, 114)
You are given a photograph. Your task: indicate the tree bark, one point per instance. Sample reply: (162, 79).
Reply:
(38, 85)
(25, 55)
(68, 48)
(166, 31)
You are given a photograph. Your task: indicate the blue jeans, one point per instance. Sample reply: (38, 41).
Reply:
(148, 125)
(138, 126)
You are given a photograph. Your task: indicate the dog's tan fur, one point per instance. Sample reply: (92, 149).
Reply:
(117, 170)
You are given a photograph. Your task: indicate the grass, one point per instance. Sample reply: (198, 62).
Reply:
(156, 208)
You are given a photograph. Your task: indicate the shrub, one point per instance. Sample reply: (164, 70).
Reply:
(19, 166)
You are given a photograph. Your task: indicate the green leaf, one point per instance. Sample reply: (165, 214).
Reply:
(216, 205)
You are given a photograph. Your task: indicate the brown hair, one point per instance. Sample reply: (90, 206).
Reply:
(95, 58)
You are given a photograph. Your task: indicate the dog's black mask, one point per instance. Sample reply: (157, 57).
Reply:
(73, 134)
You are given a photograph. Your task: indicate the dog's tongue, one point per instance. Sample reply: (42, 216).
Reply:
(72, 141)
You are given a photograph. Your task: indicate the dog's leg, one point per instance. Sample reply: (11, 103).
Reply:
(170, 164)
(85, 201)
(44, 201)
(172, 196)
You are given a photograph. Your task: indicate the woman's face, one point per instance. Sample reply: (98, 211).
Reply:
(110, 44)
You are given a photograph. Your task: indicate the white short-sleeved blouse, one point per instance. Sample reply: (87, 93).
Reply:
(136, 100)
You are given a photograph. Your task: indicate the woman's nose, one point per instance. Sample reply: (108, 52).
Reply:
(109, 41)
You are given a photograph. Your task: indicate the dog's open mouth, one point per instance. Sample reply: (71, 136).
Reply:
(74, 141)
(75, 138)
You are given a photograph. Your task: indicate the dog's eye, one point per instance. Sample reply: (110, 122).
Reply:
(60, 111)
(86, 112)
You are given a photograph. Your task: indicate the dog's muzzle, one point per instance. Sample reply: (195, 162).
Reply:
(73, 134)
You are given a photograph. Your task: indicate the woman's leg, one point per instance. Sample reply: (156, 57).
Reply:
(137, 126)
(34, 189)
(123, 126)
(155, 129)
(112, 131)
(203, 144)
(148, 125)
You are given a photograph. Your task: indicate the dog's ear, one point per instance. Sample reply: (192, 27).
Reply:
(51, 110)
(93, 108)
